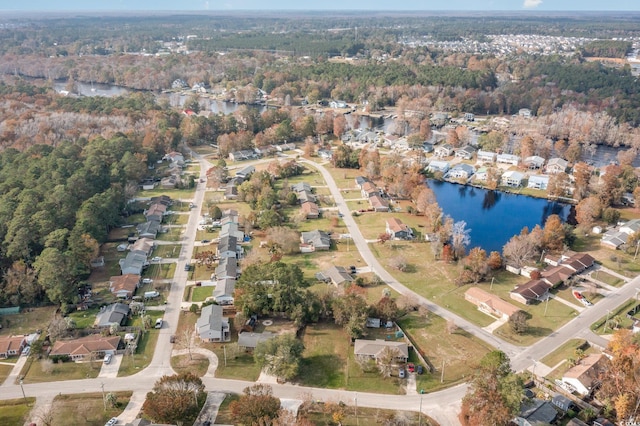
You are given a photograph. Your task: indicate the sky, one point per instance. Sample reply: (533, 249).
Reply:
(423, 5)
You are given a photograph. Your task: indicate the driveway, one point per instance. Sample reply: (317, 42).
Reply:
(111, 370)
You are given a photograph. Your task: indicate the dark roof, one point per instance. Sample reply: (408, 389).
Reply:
(115, 313)
(537, 411)
(532, 289)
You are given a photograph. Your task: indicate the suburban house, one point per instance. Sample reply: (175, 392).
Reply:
(249, 340)
(116, 313)
(231, 191)
(12, 345)
(246, 172)
(538, 182)
(227, 247)
(162, 199)
(524, 112)
(230, 229)
(469, 116)
(461, 171)
(531, 291)
(486, 156)
(579, 262)
(134, 263)
(84, 347)
(301, 186)
(584, 376)
(614, 239)
(310, 210)
(534, 162)
(557, 275)
(124, 286)
(143, 245)
(481, 174)
(148, 229)
(212, 326)
(438, 166)
(378, 203)
(374, 349)
(245, 154)
(630, 227)
(490, 304)
(227, 268)
(514, 160)
(318, 240)
(223, 294)
(170, 182)
(512, 178)
(305, 196)
(398, 230)
(360, 180)
(155, 212)
(557, 165)
(536, 412)
(175, 157)
(466, 152)
(337, 104)
(337, 275)
(368, 189)
(325, 154)
(442, 151)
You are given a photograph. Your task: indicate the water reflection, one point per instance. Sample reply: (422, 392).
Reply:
(491, 198)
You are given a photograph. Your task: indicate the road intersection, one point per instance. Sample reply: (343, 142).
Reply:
(443, 405)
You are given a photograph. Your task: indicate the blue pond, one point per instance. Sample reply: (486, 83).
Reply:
(494, 217)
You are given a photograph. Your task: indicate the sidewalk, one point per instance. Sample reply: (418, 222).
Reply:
(12, 378)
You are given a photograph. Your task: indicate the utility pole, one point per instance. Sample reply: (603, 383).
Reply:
(357, 420)
(607, 321)
(442, 374)
(224, 348)
(23, 394)
(491, 286)
(104, 399)
(546, 305)
(420, 412)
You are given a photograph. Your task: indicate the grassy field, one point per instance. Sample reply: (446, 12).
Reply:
(27, 321)
(39, 371)
(198, 365)
(86, 409)
(169, 250)
(199, 294)
(5, 370)
(144, 353)
(328, 362)
(84, 319)
(172, 234)
(567, 350)
(160, 271)
(614, 318)
(175, 194)
(177, 219)
(459, 350)
(344, 178)
(13, 412)
(608, 278)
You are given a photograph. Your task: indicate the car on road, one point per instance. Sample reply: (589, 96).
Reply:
(411, 367)
(112, 421)
(187, 267)
(340, 215)
(147, 281)
(107, 358)
(156, 259)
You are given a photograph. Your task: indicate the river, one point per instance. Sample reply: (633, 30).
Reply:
(493, 216)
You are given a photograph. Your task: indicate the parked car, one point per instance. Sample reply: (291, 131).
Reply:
(419, 369)
(205, 241)
(112, 421)
(26, 351)
(187, 267)
(147, 281)
(401, 373)
(411, 367)
(156, 259)
(353, 269)
(158, 323)
(107, 360)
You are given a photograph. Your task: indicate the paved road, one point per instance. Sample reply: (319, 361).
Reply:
(443, 406)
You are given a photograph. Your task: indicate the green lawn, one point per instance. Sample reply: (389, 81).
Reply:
(567, 350)
(198, 365)
(144, 353)
(84, 319)
(199, 294)
(86, 409)
(615, 317)
(608, 278)
(321, 414)
(170, 250)
(224, 413)
(13, 412)
(160, 271)
(6, 369)
(175, 194)
(38, 371)
(173, 234)
(176, 219)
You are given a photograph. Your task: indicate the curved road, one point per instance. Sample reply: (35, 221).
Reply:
(443, 406)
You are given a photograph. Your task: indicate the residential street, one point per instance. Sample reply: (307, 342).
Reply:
(442, 406)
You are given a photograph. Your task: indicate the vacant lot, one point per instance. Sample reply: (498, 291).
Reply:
(27, 321)
(13, 412)
(86, 409)
(458, 350)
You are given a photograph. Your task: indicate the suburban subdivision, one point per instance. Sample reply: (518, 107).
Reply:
(242, 225)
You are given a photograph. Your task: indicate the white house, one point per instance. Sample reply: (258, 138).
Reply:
(584, 376)
(514, 160)
(466, 152)
(512, 178)
(481, 174)
(486, 156)
(461, 171)
(538, 182)
(524, 112)
(534, 162)
(438, 166)
(442, 151)
(557, 165)
(212, 326)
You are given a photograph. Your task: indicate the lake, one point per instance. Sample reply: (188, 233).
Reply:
(494, 217)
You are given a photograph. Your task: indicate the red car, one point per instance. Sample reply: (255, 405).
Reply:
(411, 367)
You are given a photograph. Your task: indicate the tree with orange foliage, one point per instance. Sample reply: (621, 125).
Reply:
(554, 234)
